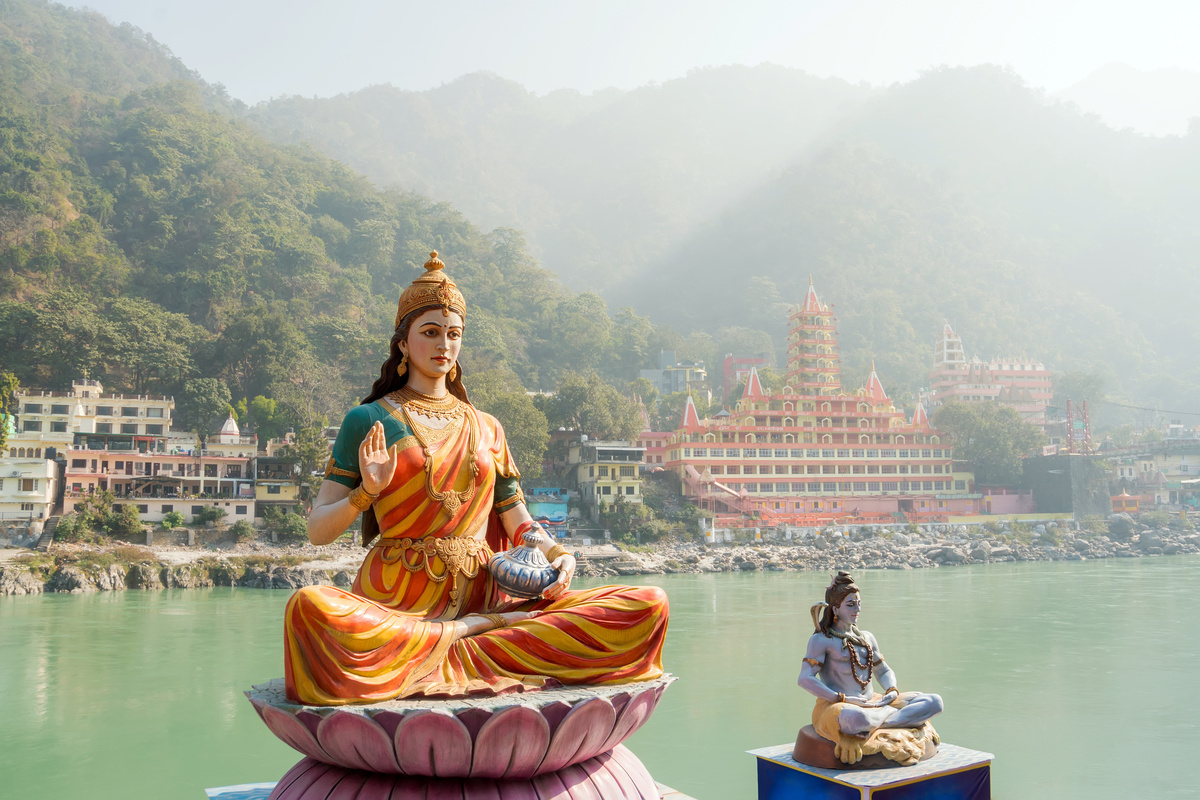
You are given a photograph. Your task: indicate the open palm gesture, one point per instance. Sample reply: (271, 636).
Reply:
(376, 462)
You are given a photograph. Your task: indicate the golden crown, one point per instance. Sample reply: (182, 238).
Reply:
(433, 288)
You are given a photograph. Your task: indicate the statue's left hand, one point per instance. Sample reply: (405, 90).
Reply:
(565, 564)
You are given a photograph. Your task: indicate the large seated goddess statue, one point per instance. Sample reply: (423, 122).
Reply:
(838, 669)
(440, 494)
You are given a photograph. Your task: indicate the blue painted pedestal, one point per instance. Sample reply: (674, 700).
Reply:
(955, 773)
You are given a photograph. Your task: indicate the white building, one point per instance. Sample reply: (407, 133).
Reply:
(27, 488)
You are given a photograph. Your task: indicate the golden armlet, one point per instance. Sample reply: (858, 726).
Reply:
(360, 499)
(555, 551)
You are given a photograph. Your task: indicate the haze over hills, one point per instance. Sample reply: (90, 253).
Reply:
(1162, 102)
(707, 202)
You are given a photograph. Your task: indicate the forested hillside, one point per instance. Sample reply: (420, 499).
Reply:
(149, 239)
(706, 202)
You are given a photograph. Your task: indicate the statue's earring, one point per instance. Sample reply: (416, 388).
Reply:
(400, 370)
(454, 372)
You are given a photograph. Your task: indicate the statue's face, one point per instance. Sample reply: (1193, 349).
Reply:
(847, 612)
(434, 341)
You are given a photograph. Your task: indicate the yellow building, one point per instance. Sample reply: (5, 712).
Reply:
(605, 471)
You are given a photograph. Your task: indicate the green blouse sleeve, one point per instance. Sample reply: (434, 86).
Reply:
(343, 464)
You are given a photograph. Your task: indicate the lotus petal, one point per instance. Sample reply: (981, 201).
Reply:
(294, 733)
(511, 744)
(580, 735)
(433, 742)
(357, 742)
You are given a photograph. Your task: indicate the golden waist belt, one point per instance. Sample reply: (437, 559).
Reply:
(460, 554)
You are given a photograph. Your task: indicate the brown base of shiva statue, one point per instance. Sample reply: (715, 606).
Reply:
(816, 751)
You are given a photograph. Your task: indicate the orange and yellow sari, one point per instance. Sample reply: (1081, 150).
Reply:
(387, 637)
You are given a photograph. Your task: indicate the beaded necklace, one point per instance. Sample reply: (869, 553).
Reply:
(854, 637)
(450, 499)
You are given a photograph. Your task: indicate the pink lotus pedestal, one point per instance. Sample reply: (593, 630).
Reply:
(561, 743)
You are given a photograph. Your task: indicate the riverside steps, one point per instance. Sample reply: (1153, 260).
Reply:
(953, 773)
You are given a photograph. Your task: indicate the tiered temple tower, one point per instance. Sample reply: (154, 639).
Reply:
(812, 348)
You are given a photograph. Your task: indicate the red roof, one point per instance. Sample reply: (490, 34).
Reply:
(753, 385)
(812, 304)
(875, 387)
(920, 418)
(690, 420)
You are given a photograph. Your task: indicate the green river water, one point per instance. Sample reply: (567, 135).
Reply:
(1079, 677)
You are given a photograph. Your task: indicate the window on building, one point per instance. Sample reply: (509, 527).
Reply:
(827, 453)
(154, 430)
(27, 506)
(168, 509)
(843, 453)
(873, 469)
(872, 454)
(860, 486)
(103, 427)
(605, 490)
(829, 487)
(33, 408)
(30, 425)
(928, 486)
(889, 469)
(750, 487)
(904, 486)
(904, 469)
(591, 472)
(196, 510)
(128, 411)
(60, 409)
(104, 411)
(157, 413)
(78, 463)
(856, 453)
(812, 453)
(143, 509)
(58, 427)
(628, 472)
(28, 484)
(939, 486)
(937, 468)
(239, 510)
(926, 469)
(128, 427)
(629, 490)
(273, 490)
(796, 453)
(210, 470)
(872, 486)
(902, 453)
(604, 471)
(781, 454)
(890, 486)
(926, 454)
(798, 487)
(887, 453)
(960, 486)
(700, 452)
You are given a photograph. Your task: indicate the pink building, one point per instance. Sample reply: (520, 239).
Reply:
(1019, 383)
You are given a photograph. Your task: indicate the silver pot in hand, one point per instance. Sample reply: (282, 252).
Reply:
(523, 571)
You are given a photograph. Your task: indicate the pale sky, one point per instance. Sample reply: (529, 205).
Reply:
(267, 48)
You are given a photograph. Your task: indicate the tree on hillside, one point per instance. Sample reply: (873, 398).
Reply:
(589, 405)
(991, 438)
(8, 388)
(202, 401)
(499, 393)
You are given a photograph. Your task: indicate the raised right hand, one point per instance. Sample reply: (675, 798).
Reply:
(377, 463)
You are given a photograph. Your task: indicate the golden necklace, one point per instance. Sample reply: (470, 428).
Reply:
(450, 499)
(447, 407)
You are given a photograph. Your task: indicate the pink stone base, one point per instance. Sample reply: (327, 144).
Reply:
(615, 775)
(506, 737)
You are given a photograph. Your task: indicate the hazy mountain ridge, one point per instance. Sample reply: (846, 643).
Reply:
(603, 184)
(1161, 102)
(963, 195)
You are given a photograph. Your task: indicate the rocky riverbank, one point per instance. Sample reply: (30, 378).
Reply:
(930, 547)
(83, 569)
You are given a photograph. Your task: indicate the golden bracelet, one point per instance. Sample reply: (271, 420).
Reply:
(360, 498)
(841, 698)
(555, 551)
(496, 619)
(891, 689)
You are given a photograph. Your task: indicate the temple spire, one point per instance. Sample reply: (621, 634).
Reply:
(690, 420)
(875, 389)
(754, 387)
